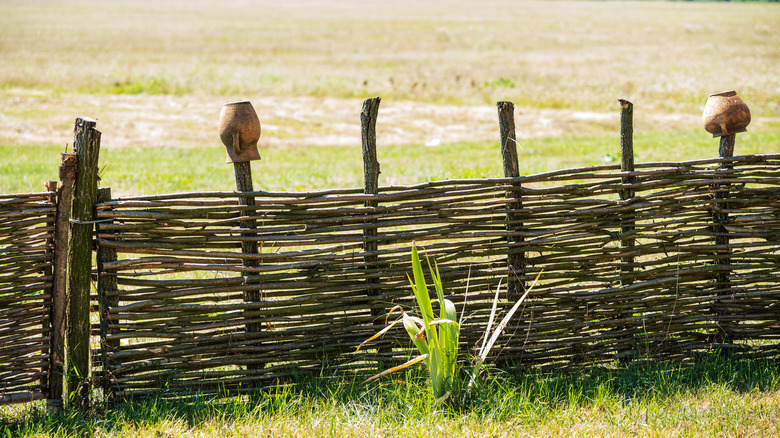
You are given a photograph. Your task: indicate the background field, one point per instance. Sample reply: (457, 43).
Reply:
(155, 76)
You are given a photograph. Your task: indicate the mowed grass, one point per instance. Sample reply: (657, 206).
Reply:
(164, 170)
(713, 396)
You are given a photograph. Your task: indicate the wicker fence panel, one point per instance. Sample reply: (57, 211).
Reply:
(26, 232)
(181, 314)
(749, 310)
(588, 310)
(180, 311)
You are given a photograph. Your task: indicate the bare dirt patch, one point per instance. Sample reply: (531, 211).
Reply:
(141, 121)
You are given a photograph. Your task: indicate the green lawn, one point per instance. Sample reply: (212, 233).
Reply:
(714, 396)
(166, 170)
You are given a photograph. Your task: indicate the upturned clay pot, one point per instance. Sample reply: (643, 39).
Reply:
(725, 114)
(239, 130)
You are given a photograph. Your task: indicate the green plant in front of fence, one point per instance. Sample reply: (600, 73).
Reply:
(435, 338)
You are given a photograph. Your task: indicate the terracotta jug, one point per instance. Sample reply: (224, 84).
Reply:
(725, 114)
(239, 130)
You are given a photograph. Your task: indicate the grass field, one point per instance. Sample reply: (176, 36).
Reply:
(714, 396)
(154, 75)
(154, 170)
(583, 55)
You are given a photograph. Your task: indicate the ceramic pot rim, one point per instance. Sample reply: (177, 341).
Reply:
(238, 103)
(725, 93)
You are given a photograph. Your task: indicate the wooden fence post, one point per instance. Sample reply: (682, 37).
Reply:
(86, 145)
(368, 116)
(516, 261)
(243, 173)
(107, 299)
(627, 219)
(59, 283)
(239, 130)
(51, 187)
(627, 165)
(720, 217)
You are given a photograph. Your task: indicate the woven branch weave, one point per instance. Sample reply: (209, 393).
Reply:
(180, 313)
(26, 230)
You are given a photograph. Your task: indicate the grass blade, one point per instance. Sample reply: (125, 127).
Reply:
(490, 320)
(506, 319)
(499, 329)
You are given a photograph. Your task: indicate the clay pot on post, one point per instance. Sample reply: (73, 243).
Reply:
(239, 130)
(725, 114)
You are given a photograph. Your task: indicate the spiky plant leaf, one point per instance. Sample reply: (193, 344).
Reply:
(436, 338)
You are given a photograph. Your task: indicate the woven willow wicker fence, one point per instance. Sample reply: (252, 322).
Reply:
(623, 277)
(228, 292)
(26, 258)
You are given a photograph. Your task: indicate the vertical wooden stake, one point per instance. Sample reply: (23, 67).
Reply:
(628, 219)
(58, 294)
(51, 187)
(243, 173)
(720, 218)
(627, 165)
(516, 260)
(371, 172)
(726, 148)
(107, 299)
(87, 148)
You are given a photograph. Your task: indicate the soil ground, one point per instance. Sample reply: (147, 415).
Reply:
(30, 117)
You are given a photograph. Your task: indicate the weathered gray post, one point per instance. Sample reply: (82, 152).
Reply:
(59, 302)
(516, 256)
(86, 145)
(239, 130)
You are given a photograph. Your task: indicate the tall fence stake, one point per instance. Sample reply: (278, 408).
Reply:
(59, 282)
(371, 172)
(87, 148)
(720, 218)
(239, 130)
(48, 327)
(107, 299)
(628, 219)
(516, 260)
(627, 165)
(243, 173)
